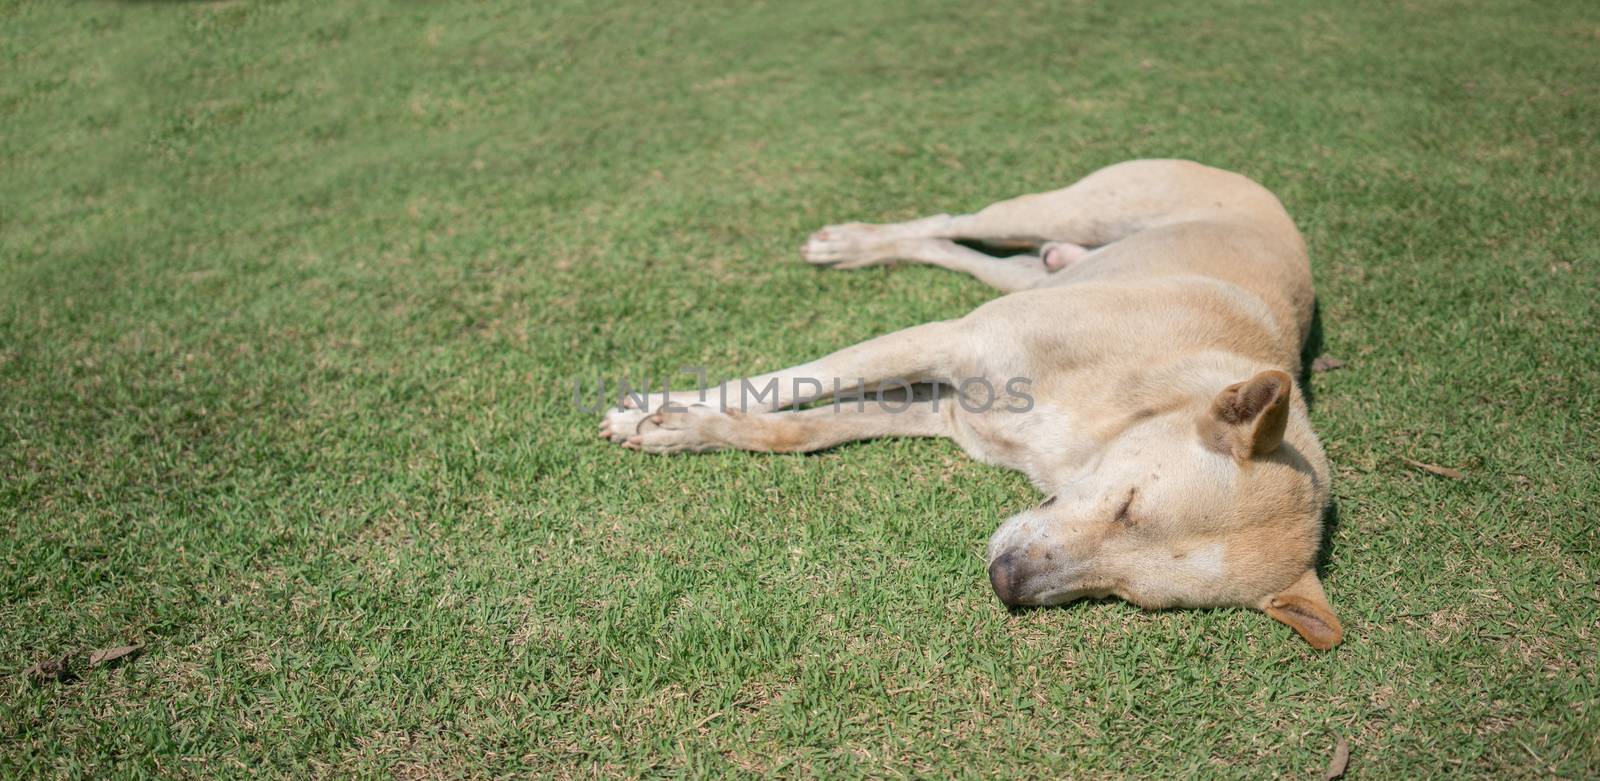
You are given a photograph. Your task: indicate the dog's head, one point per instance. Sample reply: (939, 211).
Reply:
(1213, 499)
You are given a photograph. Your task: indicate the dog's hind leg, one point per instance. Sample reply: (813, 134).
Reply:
(700, 429)
(1103, 207)
(1018, 272)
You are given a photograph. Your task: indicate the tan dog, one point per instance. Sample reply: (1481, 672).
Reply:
(1155, 334)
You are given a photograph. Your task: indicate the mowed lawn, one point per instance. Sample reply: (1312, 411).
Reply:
(293, 295)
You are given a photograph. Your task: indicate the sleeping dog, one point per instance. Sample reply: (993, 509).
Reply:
(1158, 320)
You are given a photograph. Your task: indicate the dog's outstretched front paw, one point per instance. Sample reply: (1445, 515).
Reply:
(619, 424)
(675, 430)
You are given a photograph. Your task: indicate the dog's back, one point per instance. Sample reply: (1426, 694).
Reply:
(1198, 222)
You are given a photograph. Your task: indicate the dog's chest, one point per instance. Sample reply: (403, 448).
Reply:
(1041, 442)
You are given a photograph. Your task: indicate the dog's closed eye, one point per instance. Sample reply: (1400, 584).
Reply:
(1125, 513)
(1047, 502)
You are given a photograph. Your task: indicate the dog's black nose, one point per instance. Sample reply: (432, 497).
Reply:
(1003, 576)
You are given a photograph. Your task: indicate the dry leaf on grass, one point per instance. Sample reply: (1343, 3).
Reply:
(60, 670)
(1435, 469)
(1326, 363)
(107, 656)
(1341, 758)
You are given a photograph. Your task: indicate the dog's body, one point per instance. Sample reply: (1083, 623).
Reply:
(1157, 328)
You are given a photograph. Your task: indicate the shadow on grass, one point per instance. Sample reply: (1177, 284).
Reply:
(1000, 249)
(1081, 604)
(1309, 353)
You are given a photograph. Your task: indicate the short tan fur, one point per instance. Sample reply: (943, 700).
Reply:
(1160, 321)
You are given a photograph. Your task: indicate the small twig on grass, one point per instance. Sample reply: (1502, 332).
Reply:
(1435, 469)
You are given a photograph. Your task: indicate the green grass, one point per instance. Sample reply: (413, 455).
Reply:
(292, 294)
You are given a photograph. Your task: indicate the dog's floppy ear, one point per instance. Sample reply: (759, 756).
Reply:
(1247, 418)
(1305, 609)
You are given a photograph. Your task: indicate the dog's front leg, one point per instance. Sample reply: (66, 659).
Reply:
(919, 354)
(700, 429)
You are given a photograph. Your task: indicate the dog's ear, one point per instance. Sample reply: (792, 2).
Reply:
(1247, 418)
(1305, 609)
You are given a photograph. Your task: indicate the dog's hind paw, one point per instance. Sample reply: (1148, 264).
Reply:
(854, 245)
